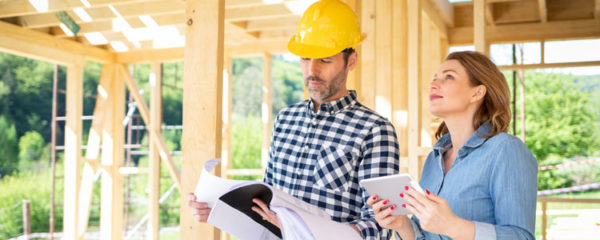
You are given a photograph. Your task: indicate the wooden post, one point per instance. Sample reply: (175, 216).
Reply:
(113, 138)
(267, 108)
(383, 58)
(73, 125)
(202, 99)
(400, 77)
(353, 80)
(367, 55)
(427, 64)
(93, 150)
(227, 110)
(53, 153)
(479, 27)
(544, 219)
(144, 113)
(414, 75)
(227, 158)
(26, 218)
(153, 156)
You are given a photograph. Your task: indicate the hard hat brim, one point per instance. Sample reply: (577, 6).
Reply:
(310, 51)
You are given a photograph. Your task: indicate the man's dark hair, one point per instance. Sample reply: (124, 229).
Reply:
(347, 52)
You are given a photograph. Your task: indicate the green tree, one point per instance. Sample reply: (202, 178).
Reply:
(246, 145)
(31, 148)
(8, 147)
(561, 119)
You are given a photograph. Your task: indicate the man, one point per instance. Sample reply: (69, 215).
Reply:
(322, 147)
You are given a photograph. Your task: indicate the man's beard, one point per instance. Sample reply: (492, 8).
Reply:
(328, 90)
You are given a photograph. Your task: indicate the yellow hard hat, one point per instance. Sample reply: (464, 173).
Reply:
(326, 28)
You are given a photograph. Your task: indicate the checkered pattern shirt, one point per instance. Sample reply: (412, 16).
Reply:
(320, 158)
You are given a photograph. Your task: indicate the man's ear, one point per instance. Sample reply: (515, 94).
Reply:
(352, 61)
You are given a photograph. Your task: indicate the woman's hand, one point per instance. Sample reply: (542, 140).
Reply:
(383, 215)
(435, 215)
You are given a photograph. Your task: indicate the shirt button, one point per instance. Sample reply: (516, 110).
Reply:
(314, 122)
(305, 147)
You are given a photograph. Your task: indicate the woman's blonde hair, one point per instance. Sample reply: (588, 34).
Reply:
(495, 107)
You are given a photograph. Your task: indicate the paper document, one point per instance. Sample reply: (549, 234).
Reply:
(231, 203)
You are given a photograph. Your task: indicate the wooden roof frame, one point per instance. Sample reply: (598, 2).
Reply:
(254, 27)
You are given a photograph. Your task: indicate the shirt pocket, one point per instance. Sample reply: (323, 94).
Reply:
(334, 168)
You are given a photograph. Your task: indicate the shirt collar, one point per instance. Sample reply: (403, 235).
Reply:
(474, 141)
(335, 106)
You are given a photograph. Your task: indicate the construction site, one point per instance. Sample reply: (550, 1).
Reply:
(128, 40)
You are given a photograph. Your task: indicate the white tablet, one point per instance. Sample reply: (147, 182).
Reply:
(390, 187)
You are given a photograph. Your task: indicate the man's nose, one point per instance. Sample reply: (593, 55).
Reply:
(313, 67)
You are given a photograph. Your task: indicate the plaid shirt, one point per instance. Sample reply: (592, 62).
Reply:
(320, 158)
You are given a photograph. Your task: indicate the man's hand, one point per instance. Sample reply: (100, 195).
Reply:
(266, 213)
(200, 209)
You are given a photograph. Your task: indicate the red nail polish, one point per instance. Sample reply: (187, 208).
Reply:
(404, 205)
(402, 195)
(374, 198)
(392, 207)
(427, 191)
(384, 202)
(406, 188)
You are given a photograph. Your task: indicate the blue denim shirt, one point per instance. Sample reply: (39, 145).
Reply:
(492, 182)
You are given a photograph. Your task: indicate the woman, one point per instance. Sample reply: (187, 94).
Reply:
(480, 182)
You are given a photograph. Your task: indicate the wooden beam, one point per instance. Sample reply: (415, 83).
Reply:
(155, 80)
(202, 103)
(105, 13)
(383, 58)
(444, 9)
(516, 12)
(257, 12)
(92, 152)
(147, 56)
(42, 46)
(226, 152)
(353, 78)
(597, 10)
(25, 7)
(550, 65)
(73, 127)
(267, 107)
(106, 25)
(164, 7)
(543, 10)
(257, 48)
(289, 22)
(159, 141)
(489, 14)
(414, 75)
(400, 76)
(559, 30)
(113, 132)
(435, 15)
(367, 62)
(479, 26)
(431, 61)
